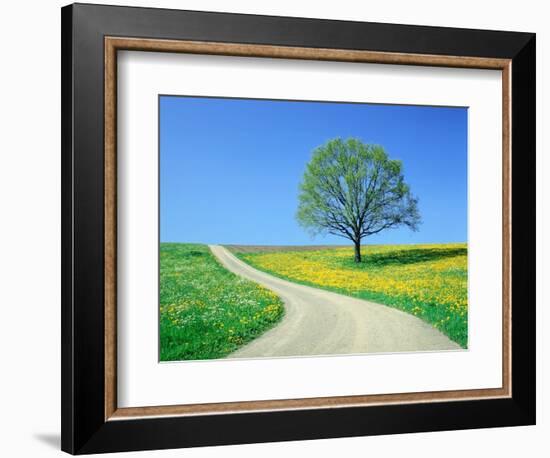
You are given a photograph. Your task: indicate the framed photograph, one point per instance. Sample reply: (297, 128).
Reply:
(282, 228)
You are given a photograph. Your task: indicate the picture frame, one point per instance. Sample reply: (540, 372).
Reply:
(92, 35)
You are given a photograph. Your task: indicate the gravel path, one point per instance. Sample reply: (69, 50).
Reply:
(319, 322)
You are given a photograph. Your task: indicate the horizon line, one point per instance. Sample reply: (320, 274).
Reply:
(313, 244)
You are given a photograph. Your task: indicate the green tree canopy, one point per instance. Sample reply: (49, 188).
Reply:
(353, 190)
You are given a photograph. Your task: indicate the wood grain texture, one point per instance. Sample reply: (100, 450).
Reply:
(112, 45)
(289, 52)
(110, 197)
(306, 403)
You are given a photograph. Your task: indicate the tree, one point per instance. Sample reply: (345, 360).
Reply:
(353, 190)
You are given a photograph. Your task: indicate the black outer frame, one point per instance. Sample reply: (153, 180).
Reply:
(84, 429)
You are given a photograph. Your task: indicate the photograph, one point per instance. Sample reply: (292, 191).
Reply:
(308, 228)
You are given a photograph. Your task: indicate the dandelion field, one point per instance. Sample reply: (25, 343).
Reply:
(428, 281)
(206, 311)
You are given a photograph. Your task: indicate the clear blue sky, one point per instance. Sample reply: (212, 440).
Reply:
(230, 168)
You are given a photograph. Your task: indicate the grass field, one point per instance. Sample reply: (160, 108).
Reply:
(206, 311)
(428, 281)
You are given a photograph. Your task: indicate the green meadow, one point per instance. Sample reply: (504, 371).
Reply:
(206, 311)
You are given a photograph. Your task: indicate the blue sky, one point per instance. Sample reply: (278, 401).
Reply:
(230, 168)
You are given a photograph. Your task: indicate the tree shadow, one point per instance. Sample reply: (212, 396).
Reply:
(411, 256)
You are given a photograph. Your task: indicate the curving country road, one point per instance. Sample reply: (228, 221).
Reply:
(319, 322)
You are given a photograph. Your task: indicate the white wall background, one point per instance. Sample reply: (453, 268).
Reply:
(30, 227)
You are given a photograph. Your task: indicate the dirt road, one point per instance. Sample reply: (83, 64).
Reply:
(319, 322)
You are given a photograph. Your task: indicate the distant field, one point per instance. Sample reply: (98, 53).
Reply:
(428, 281)
(278, 248)
(206, 311)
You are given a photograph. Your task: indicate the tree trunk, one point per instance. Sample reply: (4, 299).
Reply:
(357, 251)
